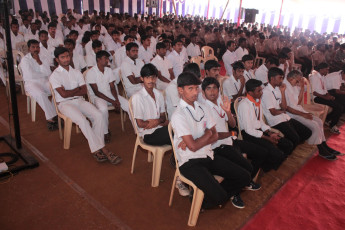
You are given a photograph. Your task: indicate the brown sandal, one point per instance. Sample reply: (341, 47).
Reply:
(100, 156)
(114, 159)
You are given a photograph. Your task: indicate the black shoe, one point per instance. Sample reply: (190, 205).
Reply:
(253, 186)
(52, 126)
(237, 201)
(327, 156)
(332, 151)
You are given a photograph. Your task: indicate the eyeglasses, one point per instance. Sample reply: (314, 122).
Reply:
(194, 117)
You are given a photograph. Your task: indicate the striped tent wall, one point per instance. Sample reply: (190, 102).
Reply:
(292, 19)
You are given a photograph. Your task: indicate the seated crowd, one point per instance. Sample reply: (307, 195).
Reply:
(232, 126)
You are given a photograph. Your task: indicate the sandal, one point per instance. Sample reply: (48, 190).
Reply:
(114, 159)
(100, 156)
(52, 126)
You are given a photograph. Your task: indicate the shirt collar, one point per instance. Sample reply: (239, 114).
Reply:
(184, 104)
(270, 87)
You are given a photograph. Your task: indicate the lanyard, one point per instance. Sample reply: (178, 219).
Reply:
(220, 113)
(322, 84)
(275, 96)
(193, 116)
(256, 113)
(236, 87)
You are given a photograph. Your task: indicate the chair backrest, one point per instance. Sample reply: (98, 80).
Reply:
(88, 88)
(22, 47)
(170, 129)
(197, 60)
(259, 61)
(207, 51)
(123, 85)
(17, 58)
(53, 98)
(135, 126)
(308, 89)
(221, 81)
(236, 103)
(296, 67)
(210, 58)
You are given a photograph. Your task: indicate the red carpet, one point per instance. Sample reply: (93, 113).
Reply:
(314, 198)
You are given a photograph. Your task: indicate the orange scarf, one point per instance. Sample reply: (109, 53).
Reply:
(250, 98)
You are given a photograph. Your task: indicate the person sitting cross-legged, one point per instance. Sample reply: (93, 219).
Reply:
(294, 95)
(103, 91)
(194, 132)
(69, 88)
(149, 109)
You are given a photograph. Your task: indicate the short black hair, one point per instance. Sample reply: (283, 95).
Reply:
(211, 64)
(209, 81)
(148, 70)
(187, 78)
(130, 45)
(160, 45)
(59, 50)
(101, 54)
(274, 71)
(52, 24)
(241, 40)
(192, 35)
(252, 84)
(96, 43)
(322, 65)
(42, 32)
(32, 41)
(282, 55)
(74, 32)
(144, 37)
(68, 40)
(176, 41)
(193, 68)
(238, 65)
(229, 43)
(94, 32)
(272, 60)
(247, 57)
(127, 37)
(115, 32)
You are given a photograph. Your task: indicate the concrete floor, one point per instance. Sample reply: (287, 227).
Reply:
(70, 190)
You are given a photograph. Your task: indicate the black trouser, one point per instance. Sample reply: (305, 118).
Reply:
(276, 154)
(340, 98)
(200, 171)
(294, 130)
(337, 109)
(159, 137)
(257, 154)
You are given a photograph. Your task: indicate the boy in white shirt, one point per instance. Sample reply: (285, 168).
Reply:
(91, 56)
(16, 37)
(261, 73)
(248, 61)
(69, 88)
(193, 49)
(164, 66)
(114, 43)
(176, 57)
(120, 54)
(242, 48)
(149, 109)
(54, 40)
(322, 96)
(234, 86)
(274, 108)
(229, 57)
(32, 33)
(77, 61)
(194, 132)
(145, 52)
(130, 70)
(103, 92)
(294, 95)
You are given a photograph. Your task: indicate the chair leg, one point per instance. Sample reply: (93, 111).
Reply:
(149, 157)
(22, 87)
(67, 133)
(173, 189)
(28, 105)
(196, 206)
(60, 128)
(122, 120)
(157, 167)
(33, 110)
(134, 154)
(77, 130)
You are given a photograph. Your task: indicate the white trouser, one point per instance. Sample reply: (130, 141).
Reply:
(2, 74)
(315, 125)
(78, 110)
(40, 91)
(102, 105)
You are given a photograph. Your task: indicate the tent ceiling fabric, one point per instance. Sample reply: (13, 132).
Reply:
(319, 15)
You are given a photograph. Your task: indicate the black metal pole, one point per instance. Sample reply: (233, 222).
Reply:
(12, 77)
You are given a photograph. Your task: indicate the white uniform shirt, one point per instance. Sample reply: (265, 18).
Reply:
(47, 54)
(24, 29)
(317, 83)
(145, 108)
(271, 99)
(240, 52)
(172, 97)
(249, 74)
(188, 120)
(177, 61)
(91, 59)
(220, 117)
(82, 30)
(120, 55)
(163, 65)
(185, 55)
(68, 79)
(102, 80)
(291, 95)
(193, 50)
(88, 47)
(78, 61)
(103, 29)
(262, 74)
(153, 44)
(333, 80)
(145, 54)
(229, 58)
(29, 35)
(32, 71)
(55, 42)
(129, 67)
(16, 39)
(231, 87)
(112, 45)
(250, 118)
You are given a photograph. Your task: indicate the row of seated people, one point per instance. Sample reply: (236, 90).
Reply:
(198, 133)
